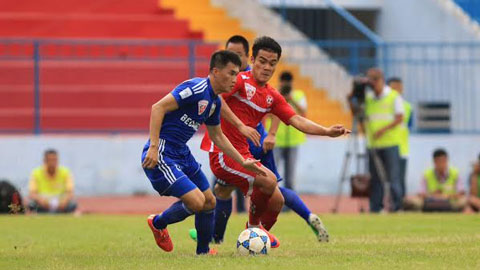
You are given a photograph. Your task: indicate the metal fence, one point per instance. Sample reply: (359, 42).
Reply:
(30, 70)
(445, 72)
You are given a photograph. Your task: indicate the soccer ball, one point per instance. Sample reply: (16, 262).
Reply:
(253, 241)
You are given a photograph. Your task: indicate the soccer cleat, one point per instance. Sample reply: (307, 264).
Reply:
(212, 252)
(193, 234)
(274, 243)
(317, 226)
(161, 236)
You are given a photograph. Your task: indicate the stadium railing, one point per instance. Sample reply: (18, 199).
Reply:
(432, 72)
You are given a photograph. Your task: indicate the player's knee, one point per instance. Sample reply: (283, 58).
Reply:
(270, 184)
(210, 202)
(197, 203)
(277, 201)
(222, 192)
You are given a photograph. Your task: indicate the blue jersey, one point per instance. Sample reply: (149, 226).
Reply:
(177, 171)
(197, 104)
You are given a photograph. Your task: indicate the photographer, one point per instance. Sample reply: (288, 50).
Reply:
(383, 116)
(474, 198)
(289, 138)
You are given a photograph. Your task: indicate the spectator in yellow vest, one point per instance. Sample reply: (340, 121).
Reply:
(474, 198)
(384, 112)
(441, 188)
(51, 187)
(289, 138)
(397, 85)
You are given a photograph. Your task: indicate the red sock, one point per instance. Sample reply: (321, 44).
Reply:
(258, 206)
(269, 218)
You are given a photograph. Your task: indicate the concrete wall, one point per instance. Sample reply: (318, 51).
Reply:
(111, 164)
(421, 20)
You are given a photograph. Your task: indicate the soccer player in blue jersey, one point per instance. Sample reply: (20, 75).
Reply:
(167, 161)
(263, 152)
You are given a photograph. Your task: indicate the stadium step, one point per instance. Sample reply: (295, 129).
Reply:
(218, 26)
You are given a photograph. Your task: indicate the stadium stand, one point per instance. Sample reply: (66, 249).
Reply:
(92, 84)
(216, 25)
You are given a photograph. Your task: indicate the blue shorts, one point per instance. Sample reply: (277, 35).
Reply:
(177, 171)
(265, 158)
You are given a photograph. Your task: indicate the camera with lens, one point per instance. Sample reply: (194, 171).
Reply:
(357, 97)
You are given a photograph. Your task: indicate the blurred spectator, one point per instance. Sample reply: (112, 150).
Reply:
(51, 187)
(474, 198)
(384, 112)
(441, 188)
(397, 85)
(289, 138)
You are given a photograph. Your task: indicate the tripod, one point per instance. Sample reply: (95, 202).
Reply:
(353, 151)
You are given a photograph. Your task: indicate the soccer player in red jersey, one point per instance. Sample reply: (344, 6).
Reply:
(250, 100)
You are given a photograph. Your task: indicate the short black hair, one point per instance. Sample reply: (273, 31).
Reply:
(239, 39)
(50, 151)
(221, 58)
(440, 152)
(286, 76)
(267, 44)
(394, 80)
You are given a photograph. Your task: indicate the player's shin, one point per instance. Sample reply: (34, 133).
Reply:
(258, 206)
(275, 205)
(223, 209)
(294, 202)
(175, 213)
(204, 226)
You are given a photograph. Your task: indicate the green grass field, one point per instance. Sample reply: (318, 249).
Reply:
(402, 241)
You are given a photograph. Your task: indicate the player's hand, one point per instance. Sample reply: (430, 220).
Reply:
(251, 134)
(251, 165)
(337, 130)
(268, 143)
(151, 159)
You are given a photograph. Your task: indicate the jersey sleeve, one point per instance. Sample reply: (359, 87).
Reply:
(281, 108)
(214, 119)
(184, 94)
(238, 85)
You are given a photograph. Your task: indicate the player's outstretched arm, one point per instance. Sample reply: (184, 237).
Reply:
(269, 141)
(246, 131)
(309, 127)
(219, 139)
(159, 109)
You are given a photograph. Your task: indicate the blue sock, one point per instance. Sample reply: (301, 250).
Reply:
(293, 201)
(175, 213)
(204, 226)
(223, 209)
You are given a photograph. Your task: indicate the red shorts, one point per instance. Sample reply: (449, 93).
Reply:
(230, 172)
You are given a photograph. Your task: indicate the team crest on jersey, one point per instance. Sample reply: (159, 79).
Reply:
(202, 105)
(250, 89)
(269, 100)
(212, 109)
